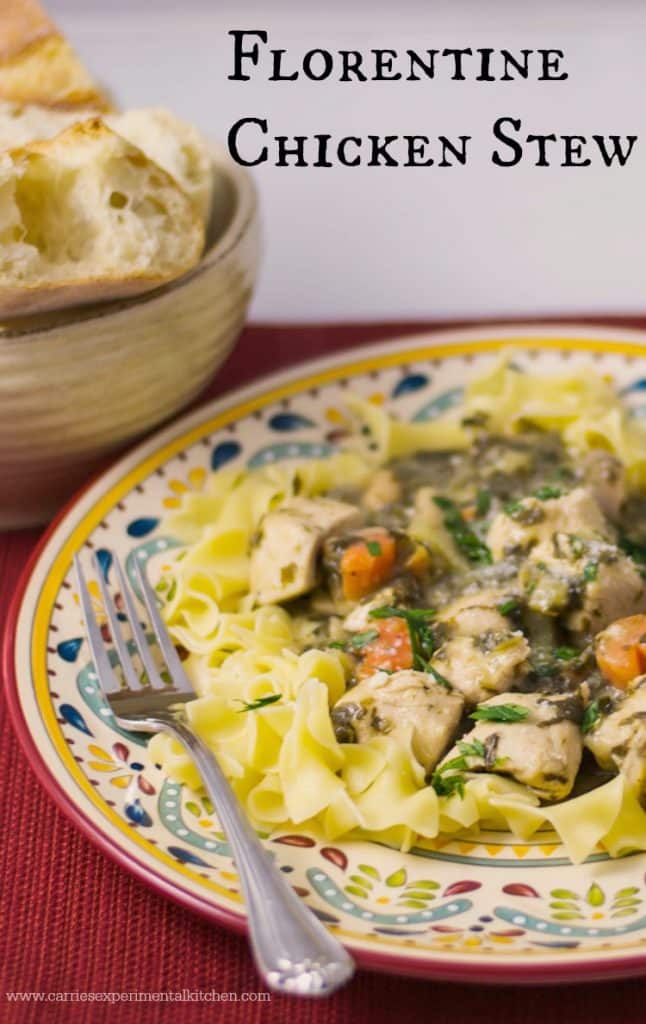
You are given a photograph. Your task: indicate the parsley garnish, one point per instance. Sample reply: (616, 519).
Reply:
(374, 548)
(387, 611)
(261, 702)
(512, 508)
(565, 653)
(474, 749)
(547, 492)
(507, 607)
(465, 539)
(438, 677)
(500, 713)
(577, 544)
(415, 617)
(591, 716)
(483, 503)
(360, 640)
(591, 572)
(448, 779)
(447, 785)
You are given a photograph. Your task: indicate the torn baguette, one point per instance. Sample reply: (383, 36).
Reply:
(86, 217)
(38, 65)
(176, 146)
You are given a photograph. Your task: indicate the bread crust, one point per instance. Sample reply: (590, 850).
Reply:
(39, 295)
(23, 24)
(38, 65)
(15, 302)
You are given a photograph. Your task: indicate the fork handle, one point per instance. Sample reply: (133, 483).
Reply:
(294, 952)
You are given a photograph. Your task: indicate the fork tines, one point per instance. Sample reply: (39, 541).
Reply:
(152, 676)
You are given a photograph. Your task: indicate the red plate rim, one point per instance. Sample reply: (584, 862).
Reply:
(430, 968)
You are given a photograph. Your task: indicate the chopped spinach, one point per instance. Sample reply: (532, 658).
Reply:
(636, 549)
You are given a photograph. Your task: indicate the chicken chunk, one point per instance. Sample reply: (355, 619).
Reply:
(542, 749)
(617, 590)
(591, 582)
(482, 654)
(480, 666)
(476, 613)
(605, 476)
(534, 521)
(283, 558)
(407, 705)
(618, 739)
(384, 489)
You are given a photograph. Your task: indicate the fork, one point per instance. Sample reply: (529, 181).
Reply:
(293, 950)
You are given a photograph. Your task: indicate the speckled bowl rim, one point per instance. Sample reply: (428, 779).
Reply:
(588, 339)
(244, 214)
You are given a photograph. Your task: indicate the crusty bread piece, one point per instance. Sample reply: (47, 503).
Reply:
(87, 216)
(22, 123)
(38, 65)
(176, 146)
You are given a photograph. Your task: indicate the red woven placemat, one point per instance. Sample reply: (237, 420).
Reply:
(72, 922)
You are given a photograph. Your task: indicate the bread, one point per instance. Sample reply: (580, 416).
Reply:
(38, 65)
(21, 123)
(177, 147)
(87, 216)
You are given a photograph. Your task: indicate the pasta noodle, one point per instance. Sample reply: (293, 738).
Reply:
(583, 407)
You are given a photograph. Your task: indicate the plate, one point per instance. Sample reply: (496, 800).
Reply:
(487, 908)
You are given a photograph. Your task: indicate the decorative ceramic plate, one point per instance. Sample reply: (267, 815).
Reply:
(486, 908)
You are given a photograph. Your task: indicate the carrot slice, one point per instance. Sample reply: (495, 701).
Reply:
(367, 563)
(620, 650)
(391, 650)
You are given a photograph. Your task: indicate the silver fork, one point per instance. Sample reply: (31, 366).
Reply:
(293, 950)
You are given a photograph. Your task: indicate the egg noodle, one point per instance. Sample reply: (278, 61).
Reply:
(282, 756)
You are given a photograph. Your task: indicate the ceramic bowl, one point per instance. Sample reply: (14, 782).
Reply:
(79, 384)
